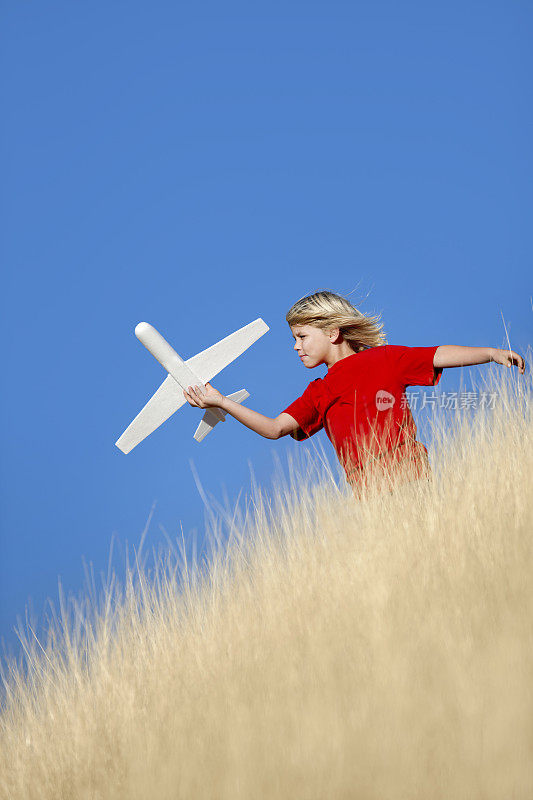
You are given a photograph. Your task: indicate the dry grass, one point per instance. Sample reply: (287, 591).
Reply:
(334, 648)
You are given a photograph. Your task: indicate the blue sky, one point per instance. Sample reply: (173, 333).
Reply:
(200, 165)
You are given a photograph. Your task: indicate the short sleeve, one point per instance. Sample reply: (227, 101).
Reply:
(414, 365)
(305, 412)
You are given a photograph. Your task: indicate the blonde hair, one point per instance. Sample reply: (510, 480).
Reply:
(326, 310)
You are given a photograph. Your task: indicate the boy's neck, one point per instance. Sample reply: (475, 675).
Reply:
(338, 352)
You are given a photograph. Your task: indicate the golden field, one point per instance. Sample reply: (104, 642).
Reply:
(331, 647)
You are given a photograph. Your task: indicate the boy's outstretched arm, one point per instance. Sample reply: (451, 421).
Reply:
(209, 397)
(454, 355)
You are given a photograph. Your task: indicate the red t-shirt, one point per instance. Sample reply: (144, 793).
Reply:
(360, 403)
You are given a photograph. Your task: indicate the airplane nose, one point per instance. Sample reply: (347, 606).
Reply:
(141, 328)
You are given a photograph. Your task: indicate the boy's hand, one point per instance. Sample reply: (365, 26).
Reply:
(203, 396)
(507, 358)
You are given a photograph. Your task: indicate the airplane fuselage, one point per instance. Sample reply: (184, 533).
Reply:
(161, 350)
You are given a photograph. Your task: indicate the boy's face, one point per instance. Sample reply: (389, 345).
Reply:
(312, 344)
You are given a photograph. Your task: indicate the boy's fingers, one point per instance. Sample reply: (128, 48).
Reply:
(196, 394)
(188, 397)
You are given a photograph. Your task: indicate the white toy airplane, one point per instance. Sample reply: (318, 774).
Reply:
(199, 369)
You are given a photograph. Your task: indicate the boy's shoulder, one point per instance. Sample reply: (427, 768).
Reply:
(349, 363)
(315, 384)
(314, 388)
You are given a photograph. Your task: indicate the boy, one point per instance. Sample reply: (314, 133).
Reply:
(360, 402)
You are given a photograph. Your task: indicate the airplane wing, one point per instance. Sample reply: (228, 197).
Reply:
(168, 398)
(210, 362)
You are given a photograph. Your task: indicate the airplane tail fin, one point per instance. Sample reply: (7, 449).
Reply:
(210, 419)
